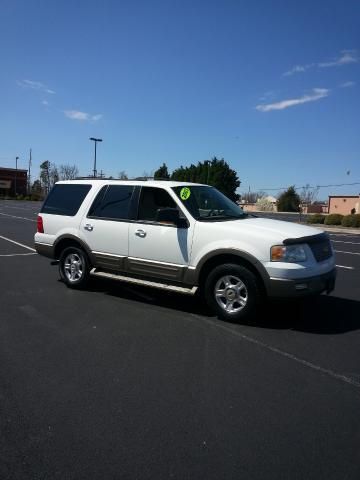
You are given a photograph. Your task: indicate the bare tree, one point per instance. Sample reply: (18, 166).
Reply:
(53, 175)
(68, 172)
(308, 194)
(122, 175)
(253, 197)
(45, 176)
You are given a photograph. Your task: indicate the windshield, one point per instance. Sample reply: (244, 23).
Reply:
(208, 204)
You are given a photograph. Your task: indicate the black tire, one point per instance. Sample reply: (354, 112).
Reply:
(74, 267)
(241, 294)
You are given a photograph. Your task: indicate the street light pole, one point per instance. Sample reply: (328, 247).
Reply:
(95, 140)
(207, 162)
(16, 160)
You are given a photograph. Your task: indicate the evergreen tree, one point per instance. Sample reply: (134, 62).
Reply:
(213, 172)
(162, 173)
(289, 201)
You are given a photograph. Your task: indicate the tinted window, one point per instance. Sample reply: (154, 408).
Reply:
(94, 209)
(113, 203)
(65, 199)
(151, 199)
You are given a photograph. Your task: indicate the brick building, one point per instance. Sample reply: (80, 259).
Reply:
(11, 179)
(344, 204)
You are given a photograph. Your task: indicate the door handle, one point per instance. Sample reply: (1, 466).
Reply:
(88, 227)
(140, 233)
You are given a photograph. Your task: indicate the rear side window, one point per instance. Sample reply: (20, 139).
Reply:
(112, 202)
(65, 199)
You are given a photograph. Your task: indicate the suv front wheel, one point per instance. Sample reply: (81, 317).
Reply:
(232, 292)
(74, 267)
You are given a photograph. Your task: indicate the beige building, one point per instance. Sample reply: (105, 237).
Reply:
(344, 204)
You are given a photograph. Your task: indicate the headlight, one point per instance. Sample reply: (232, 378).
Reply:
(288, 253)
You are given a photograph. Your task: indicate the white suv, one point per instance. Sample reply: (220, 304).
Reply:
(172, 234)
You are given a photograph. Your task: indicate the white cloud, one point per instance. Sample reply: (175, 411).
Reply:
(76, 115)
(45, 102)
(269, 95)
(30, 84)
(298, 69)
(347, 84)
(35, 86)
(82, 116)
(347, 56)
(316, 94)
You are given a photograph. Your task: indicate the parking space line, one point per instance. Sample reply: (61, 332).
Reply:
(18, 254)
(342, 241)
(17, 243)
(346, 235)
(18, 208)
(350, 253)
(290, 356)
(22, 218)
(347, 268)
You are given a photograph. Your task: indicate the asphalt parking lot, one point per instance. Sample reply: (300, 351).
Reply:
(124, 382)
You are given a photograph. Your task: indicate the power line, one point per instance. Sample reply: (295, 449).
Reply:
(310, 186)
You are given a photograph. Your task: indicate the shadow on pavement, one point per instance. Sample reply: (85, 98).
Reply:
(149, 295)
(323, 315)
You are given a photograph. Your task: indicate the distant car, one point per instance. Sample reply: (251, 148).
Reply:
(181, 234)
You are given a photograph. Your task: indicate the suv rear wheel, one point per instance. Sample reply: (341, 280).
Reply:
(74, 267)
(232, 292)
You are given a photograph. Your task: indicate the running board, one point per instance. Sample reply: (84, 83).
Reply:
(144, 283)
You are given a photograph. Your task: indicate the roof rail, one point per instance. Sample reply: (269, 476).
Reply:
(94, 178)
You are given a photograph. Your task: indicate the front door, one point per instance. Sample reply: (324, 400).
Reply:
(157, 249)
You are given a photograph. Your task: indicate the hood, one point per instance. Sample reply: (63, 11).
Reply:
(277, 230)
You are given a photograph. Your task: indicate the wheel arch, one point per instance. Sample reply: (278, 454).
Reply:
(67, 241)
(239, 258)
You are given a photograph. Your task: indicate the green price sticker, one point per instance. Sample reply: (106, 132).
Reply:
(185, 193)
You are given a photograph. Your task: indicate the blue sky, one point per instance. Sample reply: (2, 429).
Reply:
(271, 86)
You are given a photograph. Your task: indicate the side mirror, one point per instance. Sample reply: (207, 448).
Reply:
(171, 216)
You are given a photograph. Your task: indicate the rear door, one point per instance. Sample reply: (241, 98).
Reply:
(105, 228)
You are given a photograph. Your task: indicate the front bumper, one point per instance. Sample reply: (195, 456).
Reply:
(302, 287)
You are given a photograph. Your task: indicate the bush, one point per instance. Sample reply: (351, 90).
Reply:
(351, 221)
(37, 197)
(333, 219)
(317, 218)
(356, 221)
(347, 221)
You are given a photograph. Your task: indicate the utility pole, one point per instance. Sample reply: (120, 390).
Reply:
(16, 160)
(95, 140)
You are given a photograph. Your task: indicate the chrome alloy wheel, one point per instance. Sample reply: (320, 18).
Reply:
(73, 267)
(231, 293)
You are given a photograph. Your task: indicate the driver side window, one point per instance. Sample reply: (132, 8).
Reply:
(151, 199)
